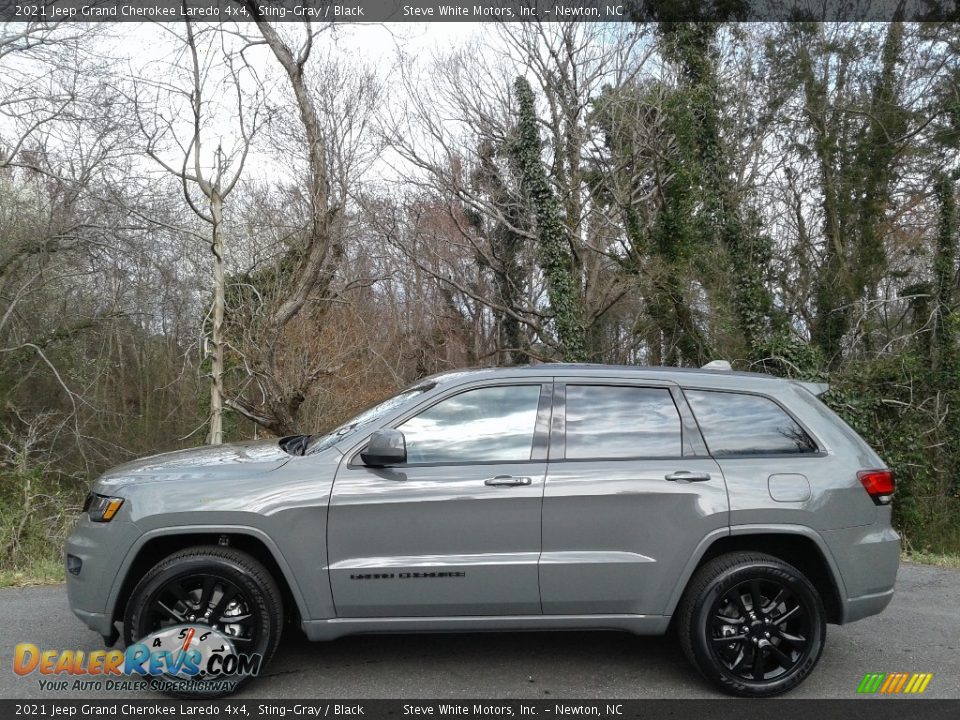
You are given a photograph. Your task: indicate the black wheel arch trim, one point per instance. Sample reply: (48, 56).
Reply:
(120, 579)
(719, 534)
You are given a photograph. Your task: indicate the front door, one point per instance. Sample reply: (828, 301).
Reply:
(456, 530)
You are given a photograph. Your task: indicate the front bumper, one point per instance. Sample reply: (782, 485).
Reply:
(100, 549)
(101, 623)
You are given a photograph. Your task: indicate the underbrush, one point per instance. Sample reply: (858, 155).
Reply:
(37, 511)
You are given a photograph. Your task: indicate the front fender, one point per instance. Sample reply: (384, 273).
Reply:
(214, 530)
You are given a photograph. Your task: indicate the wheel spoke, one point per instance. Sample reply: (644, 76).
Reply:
(235, 619)
(780, 619)
(740, 659)
(757, 667)
(785, 660)
(798, 641)
(206, 593)
(170, 612)
(778, 598)
(176, 589)
(755, 596)
(729, 620)
(740, 604)
(216, 614)
(730, 639)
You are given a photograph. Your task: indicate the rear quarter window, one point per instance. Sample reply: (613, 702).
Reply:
(740, 424)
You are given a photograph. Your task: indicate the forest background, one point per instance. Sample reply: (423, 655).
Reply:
(214, 232)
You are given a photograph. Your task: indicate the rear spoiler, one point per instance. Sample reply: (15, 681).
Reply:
(816, 389)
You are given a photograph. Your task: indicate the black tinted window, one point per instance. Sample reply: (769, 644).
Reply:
(615, 422)
(483, 425)
(737, 424)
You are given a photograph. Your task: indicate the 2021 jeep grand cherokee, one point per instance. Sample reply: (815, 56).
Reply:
(736, 505)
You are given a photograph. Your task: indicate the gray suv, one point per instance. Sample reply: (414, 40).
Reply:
(733, 507)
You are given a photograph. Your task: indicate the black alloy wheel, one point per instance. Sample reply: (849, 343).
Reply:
(208, 600)
(760, 630)
(752, 624)
(210, 586)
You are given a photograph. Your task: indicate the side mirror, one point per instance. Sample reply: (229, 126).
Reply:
(386, 447)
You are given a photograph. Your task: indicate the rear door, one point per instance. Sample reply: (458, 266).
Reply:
(456, 530)
(630, 492)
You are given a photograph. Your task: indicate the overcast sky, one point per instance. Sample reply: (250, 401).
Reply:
(146, 49)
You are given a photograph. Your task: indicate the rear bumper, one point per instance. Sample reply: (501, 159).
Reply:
(867, 558)
(860, 607)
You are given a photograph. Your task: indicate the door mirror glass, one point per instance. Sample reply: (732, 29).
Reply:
(386, 447)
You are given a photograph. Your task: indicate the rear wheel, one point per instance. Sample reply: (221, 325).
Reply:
(752, 624)
(210, 586)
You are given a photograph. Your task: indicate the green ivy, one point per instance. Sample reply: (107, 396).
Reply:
(553, 242)
(907, 413)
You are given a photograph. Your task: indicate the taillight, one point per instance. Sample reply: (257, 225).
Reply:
(879, 485)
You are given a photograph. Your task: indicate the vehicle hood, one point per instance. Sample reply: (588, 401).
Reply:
(244, 458)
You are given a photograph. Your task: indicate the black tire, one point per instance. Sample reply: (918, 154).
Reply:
(255, 597)
(723, 634)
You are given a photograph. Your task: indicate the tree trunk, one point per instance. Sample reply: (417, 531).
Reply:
(219, 289)
(943, 343)
(554, 249)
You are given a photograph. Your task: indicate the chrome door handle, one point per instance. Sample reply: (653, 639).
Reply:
(507, 481)
(688, 476)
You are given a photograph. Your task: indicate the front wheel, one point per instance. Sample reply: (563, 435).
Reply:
(209, 587)
(752, 625)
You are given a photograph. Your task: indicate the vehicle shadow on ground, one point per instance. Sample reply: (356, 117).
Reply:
(576, 664)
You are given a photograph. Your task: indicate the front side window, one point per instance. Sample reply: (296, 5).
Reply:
(738, 424)
(491, 424)
(621, 422)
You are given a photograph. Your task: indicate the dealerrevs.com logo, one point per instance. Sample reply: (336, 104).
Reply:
(180, 658)
(898, 683)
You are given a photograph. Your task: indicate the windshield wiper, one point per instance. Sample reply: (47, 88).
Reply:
(295, 444)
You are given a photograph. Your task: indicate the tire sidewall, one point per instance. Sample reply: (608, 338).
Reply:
(701, 646)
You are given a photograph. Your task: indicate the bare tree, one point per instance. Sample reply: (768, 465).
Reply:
(334, 105)
(42, 80)
(207, 176)
(462, 139)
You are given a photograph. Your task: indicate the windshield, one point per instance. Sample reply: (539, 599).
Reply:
(371, 415)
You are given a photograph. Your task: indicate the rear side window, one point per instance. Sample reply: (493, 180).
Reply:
(621, 422)
(738, 424)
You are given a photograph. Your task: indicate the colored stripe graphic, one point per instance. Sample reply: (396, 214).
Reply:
(927, 677)
(871, 682)
(894, 683)
(889, 682)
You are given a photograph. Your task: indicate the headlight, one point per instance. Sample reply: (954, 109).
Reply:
(101, 508)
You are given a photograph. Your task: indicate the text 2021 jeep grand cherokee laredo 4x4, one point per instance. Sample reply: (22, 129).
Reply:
(553, 496)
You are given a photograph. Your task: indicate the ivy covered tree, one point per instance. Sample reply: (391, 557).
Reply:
(553, 242)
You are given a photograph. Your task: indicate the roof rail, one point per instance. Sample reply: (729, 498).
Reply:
(717, 365)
